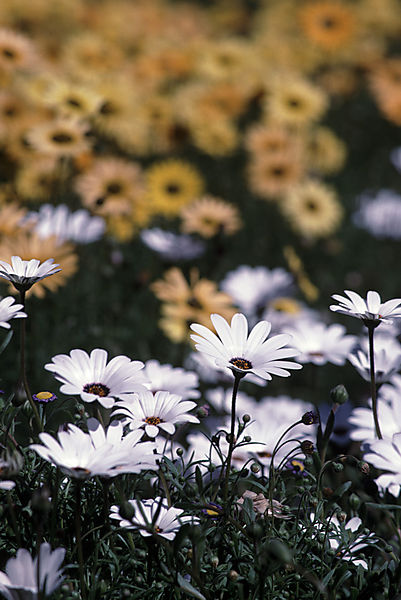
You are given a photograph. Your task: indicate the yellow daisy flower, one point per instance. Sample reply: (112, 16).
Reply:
(210, 216)
(16, 51)
(312, 209)
(219, 138)
(72, 100)
(171, 185)
(61, 137)
(36, 179)
(295, 102)
(271, 175)
(112, 186)
(11, 215)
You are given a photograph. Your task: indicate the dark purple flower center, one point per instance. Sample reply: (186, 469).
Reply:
(98, 389)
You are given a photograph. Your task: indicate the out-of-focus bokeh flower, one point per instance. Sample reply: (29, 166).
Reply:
(210, 216)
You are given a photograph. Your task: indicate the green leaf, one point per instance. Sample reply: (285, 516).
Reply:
(383, 506)
(188, 588)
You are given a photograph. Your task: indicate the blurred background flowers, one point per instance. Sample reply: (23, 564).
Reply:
(172, 156)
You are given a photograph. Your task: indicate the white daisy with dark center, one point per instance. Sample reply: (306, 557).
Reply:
(93, 378)
(24, 273)
(156, 412)
(234, 349)
(153, 517)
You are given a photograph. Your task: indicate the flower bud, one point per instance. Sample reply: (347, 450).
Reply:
(307, 447)
(179, 451)
(339, 394)
(338, 467)
(342, 516)
(255, 468)
(246, 418)
(214, 561)
(247, 439)
(233, 575)
(364, 467)
(310, 418)
(203, 411)
(354, 501)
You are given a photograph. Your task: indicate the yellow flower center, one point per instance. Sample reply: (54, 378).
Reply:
(153, 420)
(97, 388)
(44, 395)
(241, 363)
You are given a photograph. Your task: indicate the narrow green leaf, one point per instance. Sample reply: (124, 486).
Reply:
(188, 588)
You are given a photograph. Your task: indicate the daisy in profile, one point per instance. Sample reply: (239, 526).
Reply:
(372, 310)
(93, 378)
(380, 215)
(234, 349)
(106, 453)
(22, 574)
(156, 412)
(24, 273)
(78, 226)
(153, 517)
(172, 247)
(30, 247)
(10, 310)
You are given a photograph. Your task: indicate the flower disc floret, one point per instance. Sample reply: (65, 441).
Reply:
(93, 378)
(233, 348)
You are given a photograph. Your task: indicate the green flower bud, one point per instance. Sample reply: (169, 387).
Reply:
(339, 394)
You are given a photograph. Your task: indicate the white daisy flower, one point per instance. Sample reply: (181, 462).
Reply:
(319, 343)
(79, 226)
(172, 246)
(161, 411)
(24, 273)
(92, 378)
(370, 310)
(232, 348)
(98, 452)
(252, 287)
(20, 580)
(145, 518)
(389, 411)
(221, 399)
(9, 310)
(385, 454)
(173, 380)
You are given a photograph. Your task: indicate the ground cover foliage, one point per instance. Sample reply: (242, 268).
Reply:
(263, 137)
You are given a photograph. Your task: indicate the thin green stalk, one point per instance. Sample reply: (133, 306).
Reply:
(78, 487)
(237, 379)
(373, 389)
(23, 378)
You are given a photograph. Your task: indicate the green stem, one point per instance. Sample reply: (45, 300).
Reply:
(78, 487)
(22, 378)
(237, 379)
(373, 389)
